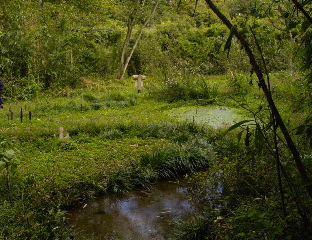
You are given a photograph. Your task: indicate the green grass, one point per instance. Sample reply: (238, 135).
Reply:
(115, 140)
(107, 134)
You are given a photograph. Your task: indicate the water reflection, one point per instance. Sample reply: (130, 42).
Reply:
(138, 215)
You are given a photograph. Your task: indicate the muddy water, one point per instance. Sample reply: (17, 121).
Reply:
(151, 214)
(138, 215)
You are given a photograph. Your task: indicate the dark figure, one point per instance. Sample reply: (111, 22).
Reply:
(1, 89)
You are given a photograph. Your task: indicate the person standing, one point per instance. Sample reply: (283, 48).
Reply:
(1, 89)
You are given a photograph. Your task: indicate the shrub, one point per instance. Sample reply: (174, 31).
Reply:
(173, 90)
(196, 228)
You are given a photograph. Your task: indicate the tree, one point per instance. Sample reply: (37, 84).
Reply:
(268, 94)
(134, 16)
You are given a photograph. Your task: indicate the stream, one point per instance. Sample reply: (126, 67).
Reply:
(138, 215)
(146, 215)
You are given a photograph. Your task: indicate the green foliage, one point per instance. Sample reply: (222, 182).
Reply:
(173, 90)
(133, 178)
(56, 43)
(22, 88)
(241, 202)
(305, 129)
(174, 160)
(305, 52)
(8, 165)
(19, 223)
(59, 44)
(252, 222)
(118, 141)
(8, 161)
(196, 228)
(176, 47)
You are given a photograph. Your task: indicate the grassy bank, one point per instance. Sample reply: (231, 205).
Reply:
(68, 149)
(77, 144)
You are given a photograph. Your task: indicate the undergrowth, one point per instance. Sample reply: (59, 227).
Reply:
(56, 174)
(115, 141)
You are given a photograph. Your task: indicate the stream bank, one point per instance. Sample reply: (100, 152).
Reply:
(149, 214)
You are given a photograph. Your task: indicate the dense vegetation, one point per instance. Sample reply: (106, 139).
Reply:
(62, 64)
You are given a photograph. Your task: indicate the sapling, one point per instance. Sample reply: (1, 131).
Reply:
(8, 164)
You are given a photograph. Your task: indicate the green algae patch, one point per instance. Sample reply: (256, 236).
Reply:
(214, 116)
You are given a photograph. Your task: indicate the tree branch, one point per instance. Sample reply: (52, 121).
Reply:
(262, 84)
(305, 13)
(138, 39)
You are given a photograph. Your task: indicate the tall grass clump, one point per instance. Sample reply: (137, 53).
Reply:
(173, 90)
(119, 99)
(90, 129)
(60, 107)
(135, 177)
(180, 132)
(86, 101)
(163, 162)
(177, 159)
(110, 99)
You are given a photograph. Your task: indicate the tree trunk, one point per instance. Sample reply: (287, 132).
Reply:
(138, 39)
(124, 64)
(125, 46)
(130, 25)
(262, 84)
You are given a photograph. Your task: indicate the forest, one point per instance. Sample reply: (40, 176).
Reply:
(74, 127)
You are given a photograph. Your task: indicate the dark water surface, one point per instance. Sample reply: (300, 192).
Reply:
(137, 215)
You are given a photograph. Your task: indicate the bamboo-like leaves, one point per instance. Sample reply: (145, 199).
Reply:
(2, 165)
(7, 160)
(239, 136)
(9, 154)
(237, 125)
(259, 138)
(305, 128)
(257, 130)
(227, 46)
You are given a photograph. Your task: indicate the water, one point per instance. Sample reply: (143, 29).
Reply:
(215, 116)
(138, 215)
(142, 215)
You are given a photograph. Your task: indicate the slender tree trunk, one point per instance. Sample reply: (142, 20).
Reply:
(125, 46)
(262, 84)
(130, 25)
(278, 168)
(138, 39)
(124, 64)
